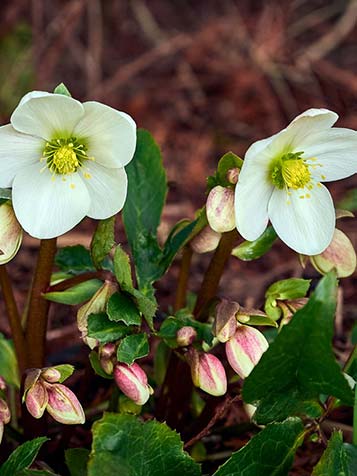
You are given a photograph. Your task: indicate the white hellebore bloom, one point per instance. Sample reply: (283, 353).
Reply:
(65, 160)
(281, 180)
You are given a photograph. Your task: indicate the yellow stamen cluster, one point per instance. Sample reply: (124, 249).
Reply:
(65, 156)
(295, 173)
(64, 160)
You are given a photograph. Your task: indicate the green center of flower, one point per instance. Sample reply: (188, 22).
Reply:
(290, 171)
(65, 156)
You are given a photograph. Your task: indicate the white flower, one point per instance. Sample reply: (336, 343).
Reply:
(65, 160)
(281, 180)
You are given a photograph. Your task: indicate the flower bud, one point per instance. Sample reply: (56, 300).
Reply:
(232, 175)
(207, 373)
(51, 374)
(2, 383)
(245, 349)
(10, 233)
(36, 399)
(207, 240)
(340, 255)
(63, 405)
(106, 354)
(220, 209)
(225, 323)
(5, 414)
(133, 382)
(185, 336)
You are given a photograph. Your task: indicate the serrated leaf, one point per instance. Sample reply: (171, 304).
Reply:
(77, 460)
(74, 259)
(22, 457)
(250, 250)
(104, 330)
(146, 305)
(121, 308)
(122, 269)
(270, 453)
(95, 363)
(300, 362)
(123, 445)
(133, 347)
(62, 89)
(339, 459)
(102, 241)
(8, 362)
(292, 288)
(76, 294)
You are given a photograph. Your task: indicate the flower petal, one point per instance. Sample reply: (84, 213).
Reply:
(16, 152)
(107, 189)
(45, 207)
(110, 134)
(335, 151)
(305, 224)
(47, 115)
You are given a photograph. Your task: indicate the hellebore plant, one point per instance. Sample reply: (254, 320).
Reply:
(182, 371)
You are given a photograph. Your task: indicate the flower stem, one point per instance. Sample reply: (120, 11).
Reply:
(36, 324)
(214, 272)
(14, 320)
(180, 300)
(354, 434)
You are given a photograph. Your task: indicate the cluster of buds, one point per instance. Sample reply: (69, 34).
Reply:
(5, 414)
(43, 390)
(10, 233)
(207, 372)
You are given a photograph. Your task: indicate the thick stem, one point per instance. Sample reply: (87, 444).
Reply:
(14, 320)
(214, 272)
(180, 300)
(36, 324)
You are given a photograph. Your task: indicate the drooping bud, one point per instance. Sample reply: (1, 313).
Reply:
(245, 349)
(63, 405)
(340, 255)
(36, 399)
(106, 354)
(133, 382)
(5, 414)
(51, 374)
(232, 175)
(225, 323)
(207, 240)
(96, 305)
(10, 233)
(220, 209)
(207, 373)
(185, 336)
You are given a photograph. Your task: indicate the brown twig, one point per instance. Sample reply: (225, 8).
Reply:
(68, 283)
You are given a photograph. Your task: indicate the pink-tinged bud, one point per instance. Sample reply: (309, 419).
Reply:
(207, 240)
(133, 382)
(10, 233)
(245, 349)
(2, 383)
(207, 373)
(51, 375)
(225, 323)
(63, 405)
(108, 350)
(185, 336)
(5, 414)
(220, 209)
(106, 355)
(340, 255)
(36, 399)
(32, 377)
(233, 175)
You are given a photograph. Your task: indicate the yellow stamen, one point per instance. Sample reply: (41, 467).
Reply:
(295, 173)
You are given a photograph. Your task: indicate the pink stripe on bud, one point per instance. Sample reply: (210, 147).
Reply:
(133, 382)
(63, 405)
(185, 336)
(36, 400)
(207, 373)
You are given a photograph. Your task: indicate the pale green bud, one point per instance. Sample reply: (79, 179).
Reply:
(10, 233)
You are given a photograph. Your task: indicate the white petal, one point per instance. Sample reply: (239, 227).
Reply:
(47, 115)
(33, 94)
(110, 134)
(258, 147)
(16, 152)
(107, 189)
(305, 224)
(335, 151)
(48, 208)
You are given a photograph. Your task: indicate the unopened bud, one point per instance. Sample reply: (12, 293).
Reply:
(220, 209)
(10, 233)
(133, 382)
(5, 414)
(245, 349)
(207, 373)
(225, 323)
(340, 255)
(51, 374)
(63, 405)
(106, 355)
(36, 399)
(2, 383)
(207, 240)
(185, 336)
(232, 175)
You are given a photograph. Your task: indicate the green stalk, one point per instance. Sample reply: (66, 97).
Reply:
(354, 434)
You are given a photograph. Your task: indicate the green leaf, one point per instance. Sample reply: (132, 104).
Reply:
(102, 241)
(121, 308)
(95, 363)
(104, 330)
(250, 250)
(227, 162)
(66, 370)
(132, 348)
(339, 459)
(77, 460)
(123, 445)
(172, 324)
(76, 294)
(270, 453)
(146, 305)
(292, 288)
(22, 457)
(122, 269)
(147, 190)
(299, 365)
(74, 259)
(261, 321)
(8, 362)
(62, 89)
(5, 194)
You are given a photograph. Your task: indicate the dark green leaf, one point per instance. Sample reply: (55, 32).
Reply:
(95, 363)
(76, 460)
(122, 269)
(22, 457)
(339, 459)
(300, 362)
(132, 348)
(123, 445)
(292, 288)
(227, 162)
(103, 241)
(250, 250)
(75, 295)
(121, 308)
(62, 89)
(74, 259)
(146, 305)
(270, 453)
(8, 362)
(104, 330)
